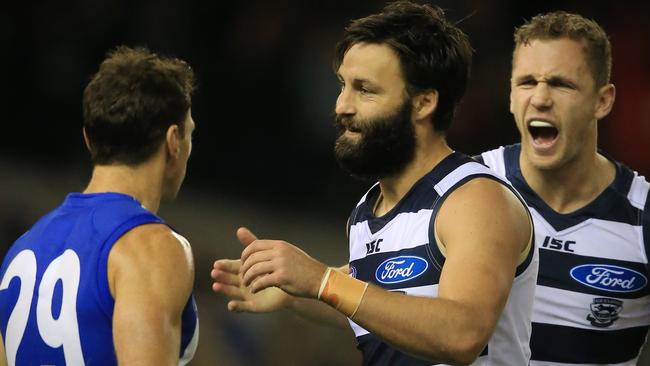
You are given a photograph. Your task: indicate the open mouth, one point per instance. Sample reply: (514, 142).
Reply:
(542, 132)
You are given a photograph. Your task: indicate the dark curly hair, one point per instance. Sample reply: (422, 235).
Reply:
(433, 53)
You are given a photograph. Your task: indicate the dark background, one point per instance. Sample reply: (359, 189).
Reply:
(266, 91)
(264, 110)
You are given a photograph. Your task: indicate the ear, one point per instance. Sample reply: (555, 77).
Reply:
(425, 104)
(173, 141)
(606, 96)
(86, 140)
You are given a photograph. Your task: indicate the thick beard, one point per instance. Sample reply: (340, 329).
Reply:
(385, 146)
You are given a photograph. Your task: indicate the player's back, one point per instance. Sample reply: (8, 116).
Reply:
(55, 304)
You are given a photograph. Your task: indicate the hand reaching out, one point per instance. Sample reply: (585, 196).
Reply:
(269, 263)
(227, 280)
(289, 268)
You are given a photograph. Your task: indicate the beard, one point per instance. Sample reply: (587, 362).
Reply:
(384, 147)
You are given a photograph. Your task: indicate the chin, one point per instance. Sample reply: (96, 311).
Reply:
(545, 163)
(350, 140)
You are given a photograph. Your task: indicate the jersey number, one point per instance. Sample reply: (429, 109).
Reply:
(63, 331)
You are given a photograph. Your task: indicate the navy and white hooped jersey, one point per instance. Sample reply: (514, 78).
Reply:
(55, 304)
(592, 303)
(399, 252)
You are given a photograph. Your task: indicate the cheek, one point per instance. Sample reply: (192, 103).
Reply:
(523, 130)
(517, 112)
(517, 102)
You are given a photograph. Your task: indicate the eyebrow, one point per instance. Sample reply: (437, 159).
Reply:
(523, 78)
(553, 80)
(556, 80)
(358, 80)
(366, 83)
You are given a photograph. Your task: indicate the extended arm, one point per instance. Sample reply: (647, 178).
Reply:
(482, 250)
(151, 275)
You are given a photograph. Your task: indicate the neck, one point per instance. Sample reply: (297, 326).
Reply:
(572, 186)
(143, 182)
(427, 155)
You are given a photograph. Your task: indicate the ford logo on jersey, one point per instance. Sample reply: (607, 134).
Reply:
(400, 269)
(609, 278)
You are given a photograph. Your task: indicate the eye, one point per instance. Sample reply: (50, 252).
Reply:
(527, 83)
(561, 84)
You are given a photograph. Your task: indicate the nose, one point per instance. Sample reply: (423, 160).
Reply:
(541, 98)
(345, 103)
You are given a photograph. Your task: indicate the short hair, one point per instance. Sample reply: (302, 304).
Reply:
(433, 53)
(560, 24)
(129, 104)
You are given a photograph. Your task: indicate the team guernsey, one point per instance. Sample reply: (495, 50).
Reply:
(399, 252)
(592, 303)
(55, 303)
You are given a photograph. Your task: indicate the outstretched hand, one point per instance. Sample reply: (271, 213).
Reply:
(274, 263)
(227, 281)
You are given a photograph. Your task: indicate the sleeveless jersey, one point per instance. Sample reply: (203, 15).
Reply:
(591, 303)
(399, 252)
(55, 304)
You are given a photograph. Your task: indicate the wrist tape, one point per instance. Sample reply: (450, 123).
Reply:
(342, 292)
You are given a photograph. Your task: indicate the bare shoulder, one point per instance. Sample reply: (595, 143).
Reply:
(484, 207)
(151, 252)
(486, 191)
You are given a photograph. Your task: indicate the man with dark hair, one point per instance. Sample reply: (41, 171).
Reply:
(441, 267)
(592, 304)
(83, 285)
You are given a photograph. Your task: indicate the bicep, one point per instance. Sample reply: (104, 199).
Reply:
(153, 280)
(484, 229)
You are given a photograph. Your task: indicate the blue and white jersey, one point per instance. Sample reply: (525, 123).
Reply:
(55, 304)
(399, 252)
(592, 303)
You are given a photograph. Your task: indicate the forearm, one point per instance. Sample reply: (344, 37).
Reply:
(436, 329)
(317, 311)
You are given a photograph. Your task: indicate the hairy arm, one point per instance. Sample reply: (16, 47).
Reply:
(482, 251)
(151, 274)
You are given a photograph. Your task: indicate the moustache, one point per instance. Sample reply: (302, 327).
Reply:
(347, 123)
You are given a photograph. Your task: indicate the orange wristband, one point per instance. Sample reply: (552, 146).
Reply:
(342, 292)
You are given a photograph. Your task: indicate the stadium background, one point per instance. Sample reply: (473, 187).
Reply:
(263, 146)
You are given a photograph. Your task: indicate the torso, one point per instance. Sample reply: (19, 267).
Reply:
(591, 303)
(398, 252)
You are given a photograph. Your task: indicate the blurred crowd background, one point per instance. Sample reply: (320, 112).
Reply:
(264, 111)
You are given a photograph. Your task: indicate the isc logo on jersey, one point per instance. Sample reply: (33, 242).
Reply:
(400, 269)
(609, 278)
